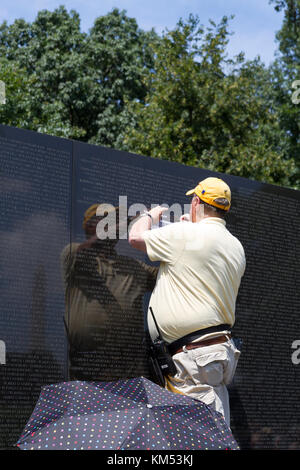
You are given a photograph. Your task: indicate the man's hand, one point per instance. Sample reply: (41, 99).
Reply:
(143, 224)
(157, 212)
(185, 218)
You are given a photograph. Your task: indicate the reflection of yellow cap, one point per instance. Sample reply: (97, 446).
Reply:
(213, 191)
(91, 212)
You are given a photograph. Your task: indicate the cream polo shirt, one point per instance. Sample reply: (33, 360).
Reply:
(201, 266)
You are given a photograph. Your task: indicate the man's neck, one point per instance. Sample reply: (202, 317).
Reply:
(201, 217)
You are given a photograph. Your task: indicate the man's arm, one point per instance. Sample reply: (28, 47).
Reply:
(143, 224)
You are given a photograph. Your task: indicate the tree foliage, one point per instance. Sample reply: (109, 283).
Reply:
(119, 57)
(177, 96)
(49, 51)
(286, 70)
(81, 82)
(199, 115)
(17, 95)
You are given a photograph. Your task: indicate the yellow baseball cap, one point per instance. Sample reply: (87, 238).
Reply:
(213, 191)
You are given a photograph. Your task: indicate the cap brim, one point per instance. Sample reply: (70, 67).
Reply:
(190, 192)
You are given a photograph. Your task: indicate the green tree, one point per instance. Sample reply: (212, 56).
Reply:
(81, 82)
(49, 51)
(286, 71)
(206, 110)
(14, 112)
(120, 55)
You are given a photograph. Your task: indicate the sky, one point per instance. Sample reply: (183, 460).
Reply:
(254, 25)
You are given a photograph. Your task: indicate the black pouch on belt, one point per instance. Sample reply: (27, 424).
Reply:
(161, 361)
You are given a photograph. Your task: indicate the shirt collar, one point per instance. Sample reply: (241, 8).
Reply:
(213, 220)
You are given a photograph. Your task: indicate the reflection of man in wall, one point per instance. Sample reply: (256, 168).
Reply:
(104, 305)
(201, 266)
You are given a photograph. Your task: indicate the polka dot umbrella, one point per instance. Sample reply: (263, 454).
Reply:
(126, 414)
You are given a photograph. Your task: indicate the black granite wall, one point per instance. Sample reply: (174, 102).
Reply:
(56, 285)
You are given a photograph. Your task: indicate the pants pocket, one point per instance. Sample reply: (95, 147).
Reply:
(211, 368)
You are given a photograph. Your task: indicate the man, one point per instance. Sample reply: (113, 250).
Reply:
(104, 298)
(201, 266)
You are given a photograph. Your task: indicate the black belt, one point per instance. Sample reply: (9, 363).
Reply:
(179, 343)
(205, 342)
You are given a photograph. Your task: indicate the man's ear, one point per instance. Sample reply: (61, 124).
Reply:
(195, 203)
(196, 200)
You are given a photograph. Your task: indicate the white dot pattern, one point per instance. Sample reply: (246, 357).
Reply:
(126, 414)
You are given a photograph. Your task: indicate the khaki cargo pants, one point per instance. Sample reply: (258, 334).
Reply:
(204, 374)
